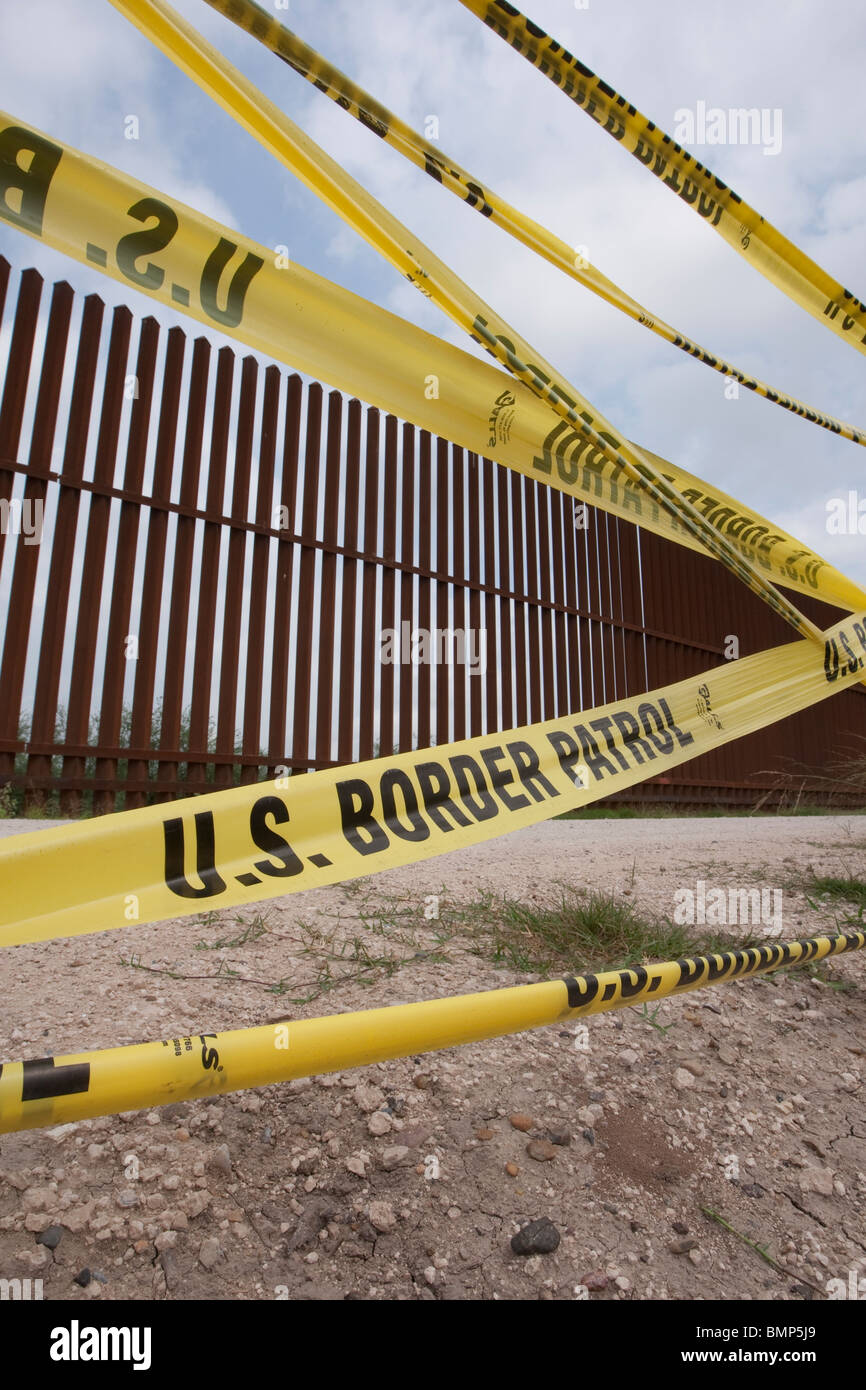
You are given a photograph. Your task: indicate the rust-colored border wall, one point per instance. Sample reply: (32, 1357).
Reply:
(227, 549)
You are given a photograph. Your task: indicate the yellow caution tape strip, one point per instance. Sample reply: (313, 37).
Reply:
(251, 843)
(278, 134)
(771, 253)
(60, 1090)
(446, 171)
(230, 847)
(129, 231)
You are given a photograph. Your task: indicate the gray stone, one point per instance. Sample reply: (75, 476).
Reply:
(818, 1180)
(537, 1238)
(209, 1253)
(381, 1216)
(220, 1160)
(369, 1098)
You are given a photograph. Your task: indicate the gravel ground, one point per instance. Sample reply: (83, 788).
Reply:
(408, 1180)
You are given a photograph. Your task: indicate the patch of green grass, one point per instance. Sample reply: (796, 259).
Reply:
(589, 930)
(845, 986)
(250, 931)
(845, 888)
(650, 1017)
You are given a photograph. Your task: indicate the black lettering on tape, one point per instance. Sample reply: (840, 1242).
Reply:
(526, 761)
(358, 820)
(631, 737)
(499, 778)
(720, 966)
(418, 829)
(210, 1057)
(28, 185)
(582, 989)
(630, 987)
(595, 760)
(573, 992)
(567, 752)
(175, 876)
(475, 195)
(42, 1080)
(854, 662)
(683, 739)
(483, 809)
(435, 787)
(432, 165)
(605, 728)
(691, 969)
(649, 715)
(132, 247)
(267, 839)
(216, 263)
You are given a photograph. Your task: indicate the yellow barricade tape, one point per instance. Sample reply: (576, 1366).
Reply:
(277, 133)
(446, 171)
(58, 1090)
(771, 253)
(250, 843)
(127, 230)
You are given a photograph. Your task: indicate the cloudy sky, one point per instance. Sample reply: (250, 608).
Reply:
(76, 69)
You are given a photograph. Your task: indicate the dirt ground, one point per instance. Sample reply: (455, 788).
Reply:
(409, 1179)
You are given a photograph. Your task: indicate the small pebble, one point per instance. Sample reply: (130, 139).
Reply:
(381, 1216)
(220, 1160)
(394, 1156)
(209, 1253)
(541, 1150)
